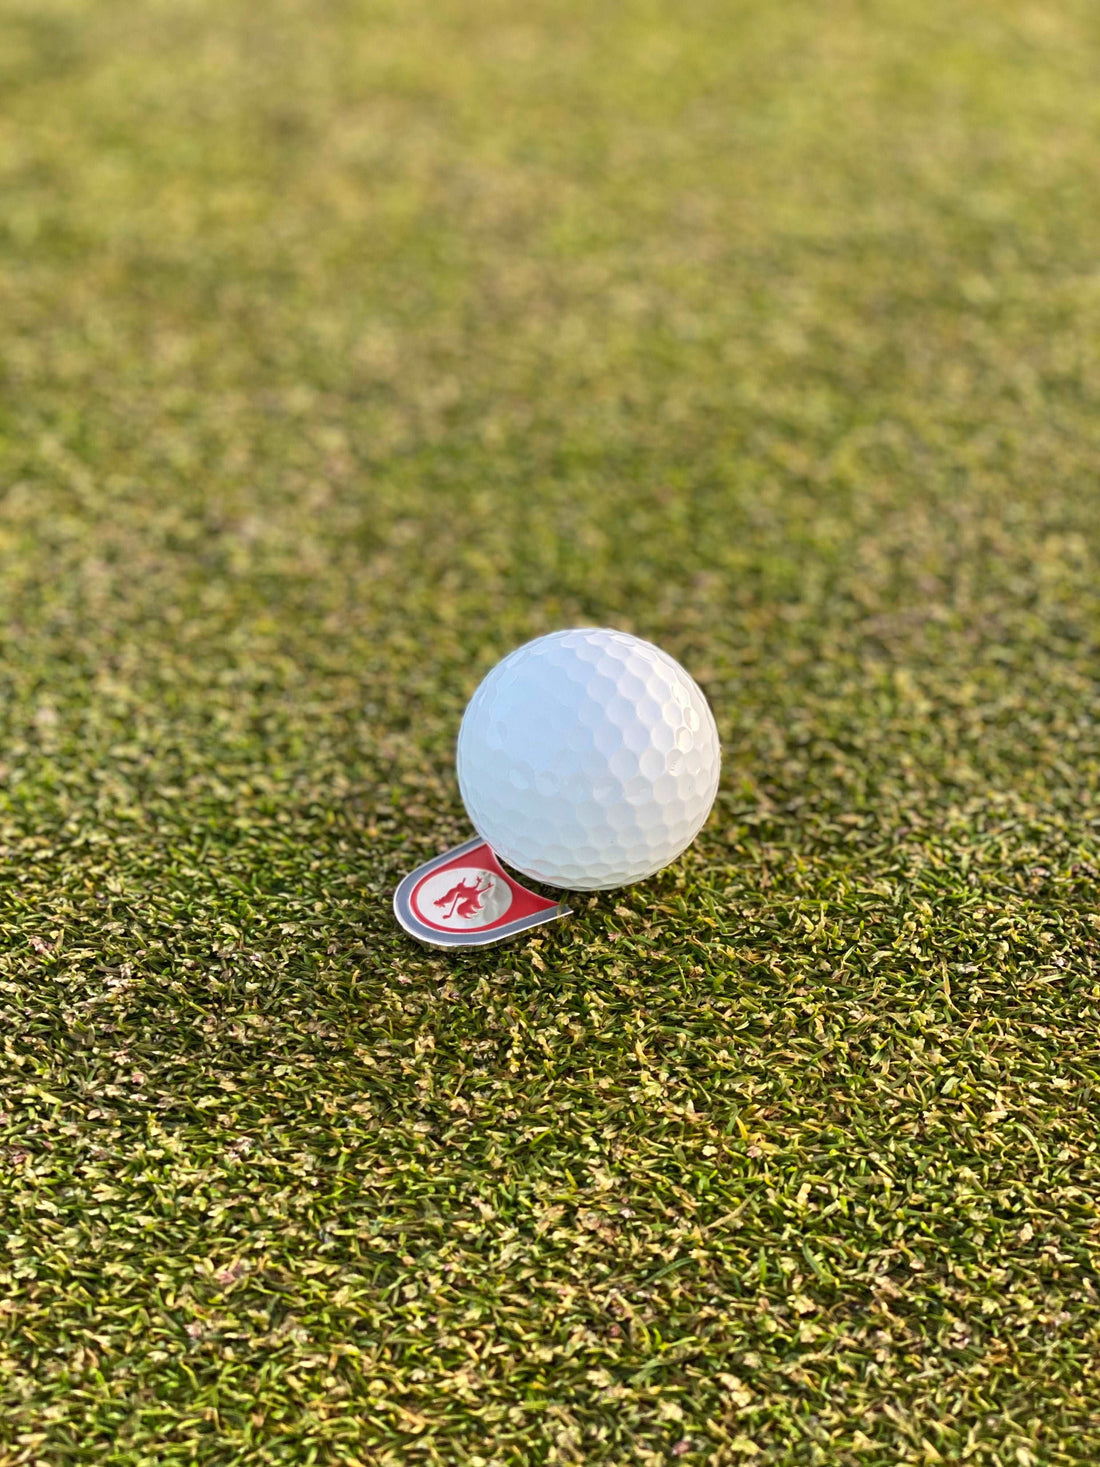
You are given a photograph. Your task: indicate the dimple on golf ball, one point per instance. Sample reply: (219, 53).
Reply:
(588, 759)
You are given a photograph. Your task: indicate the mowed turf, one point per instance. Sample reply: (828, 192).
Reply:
(344, 346)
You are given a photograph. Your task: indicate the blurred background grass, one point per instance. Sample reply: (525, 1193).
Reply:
(342, 347)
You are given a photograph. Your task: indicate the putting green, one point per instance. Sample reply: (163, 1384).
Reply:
(345, 345)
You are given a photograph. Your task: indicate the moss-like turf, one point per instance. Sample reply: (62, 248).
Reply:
(345, 345)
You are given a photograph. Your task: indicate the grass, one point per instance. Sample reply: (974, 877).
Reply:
(345, 345)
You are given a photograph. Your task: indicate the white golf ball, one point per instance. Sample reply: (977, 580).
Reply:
(588, 759)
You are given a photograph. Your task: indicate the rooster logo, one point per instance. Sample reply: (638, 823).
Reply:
(463, 899)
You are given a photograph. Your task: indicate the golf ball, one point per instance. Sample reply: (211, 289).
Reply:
(588, 759)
